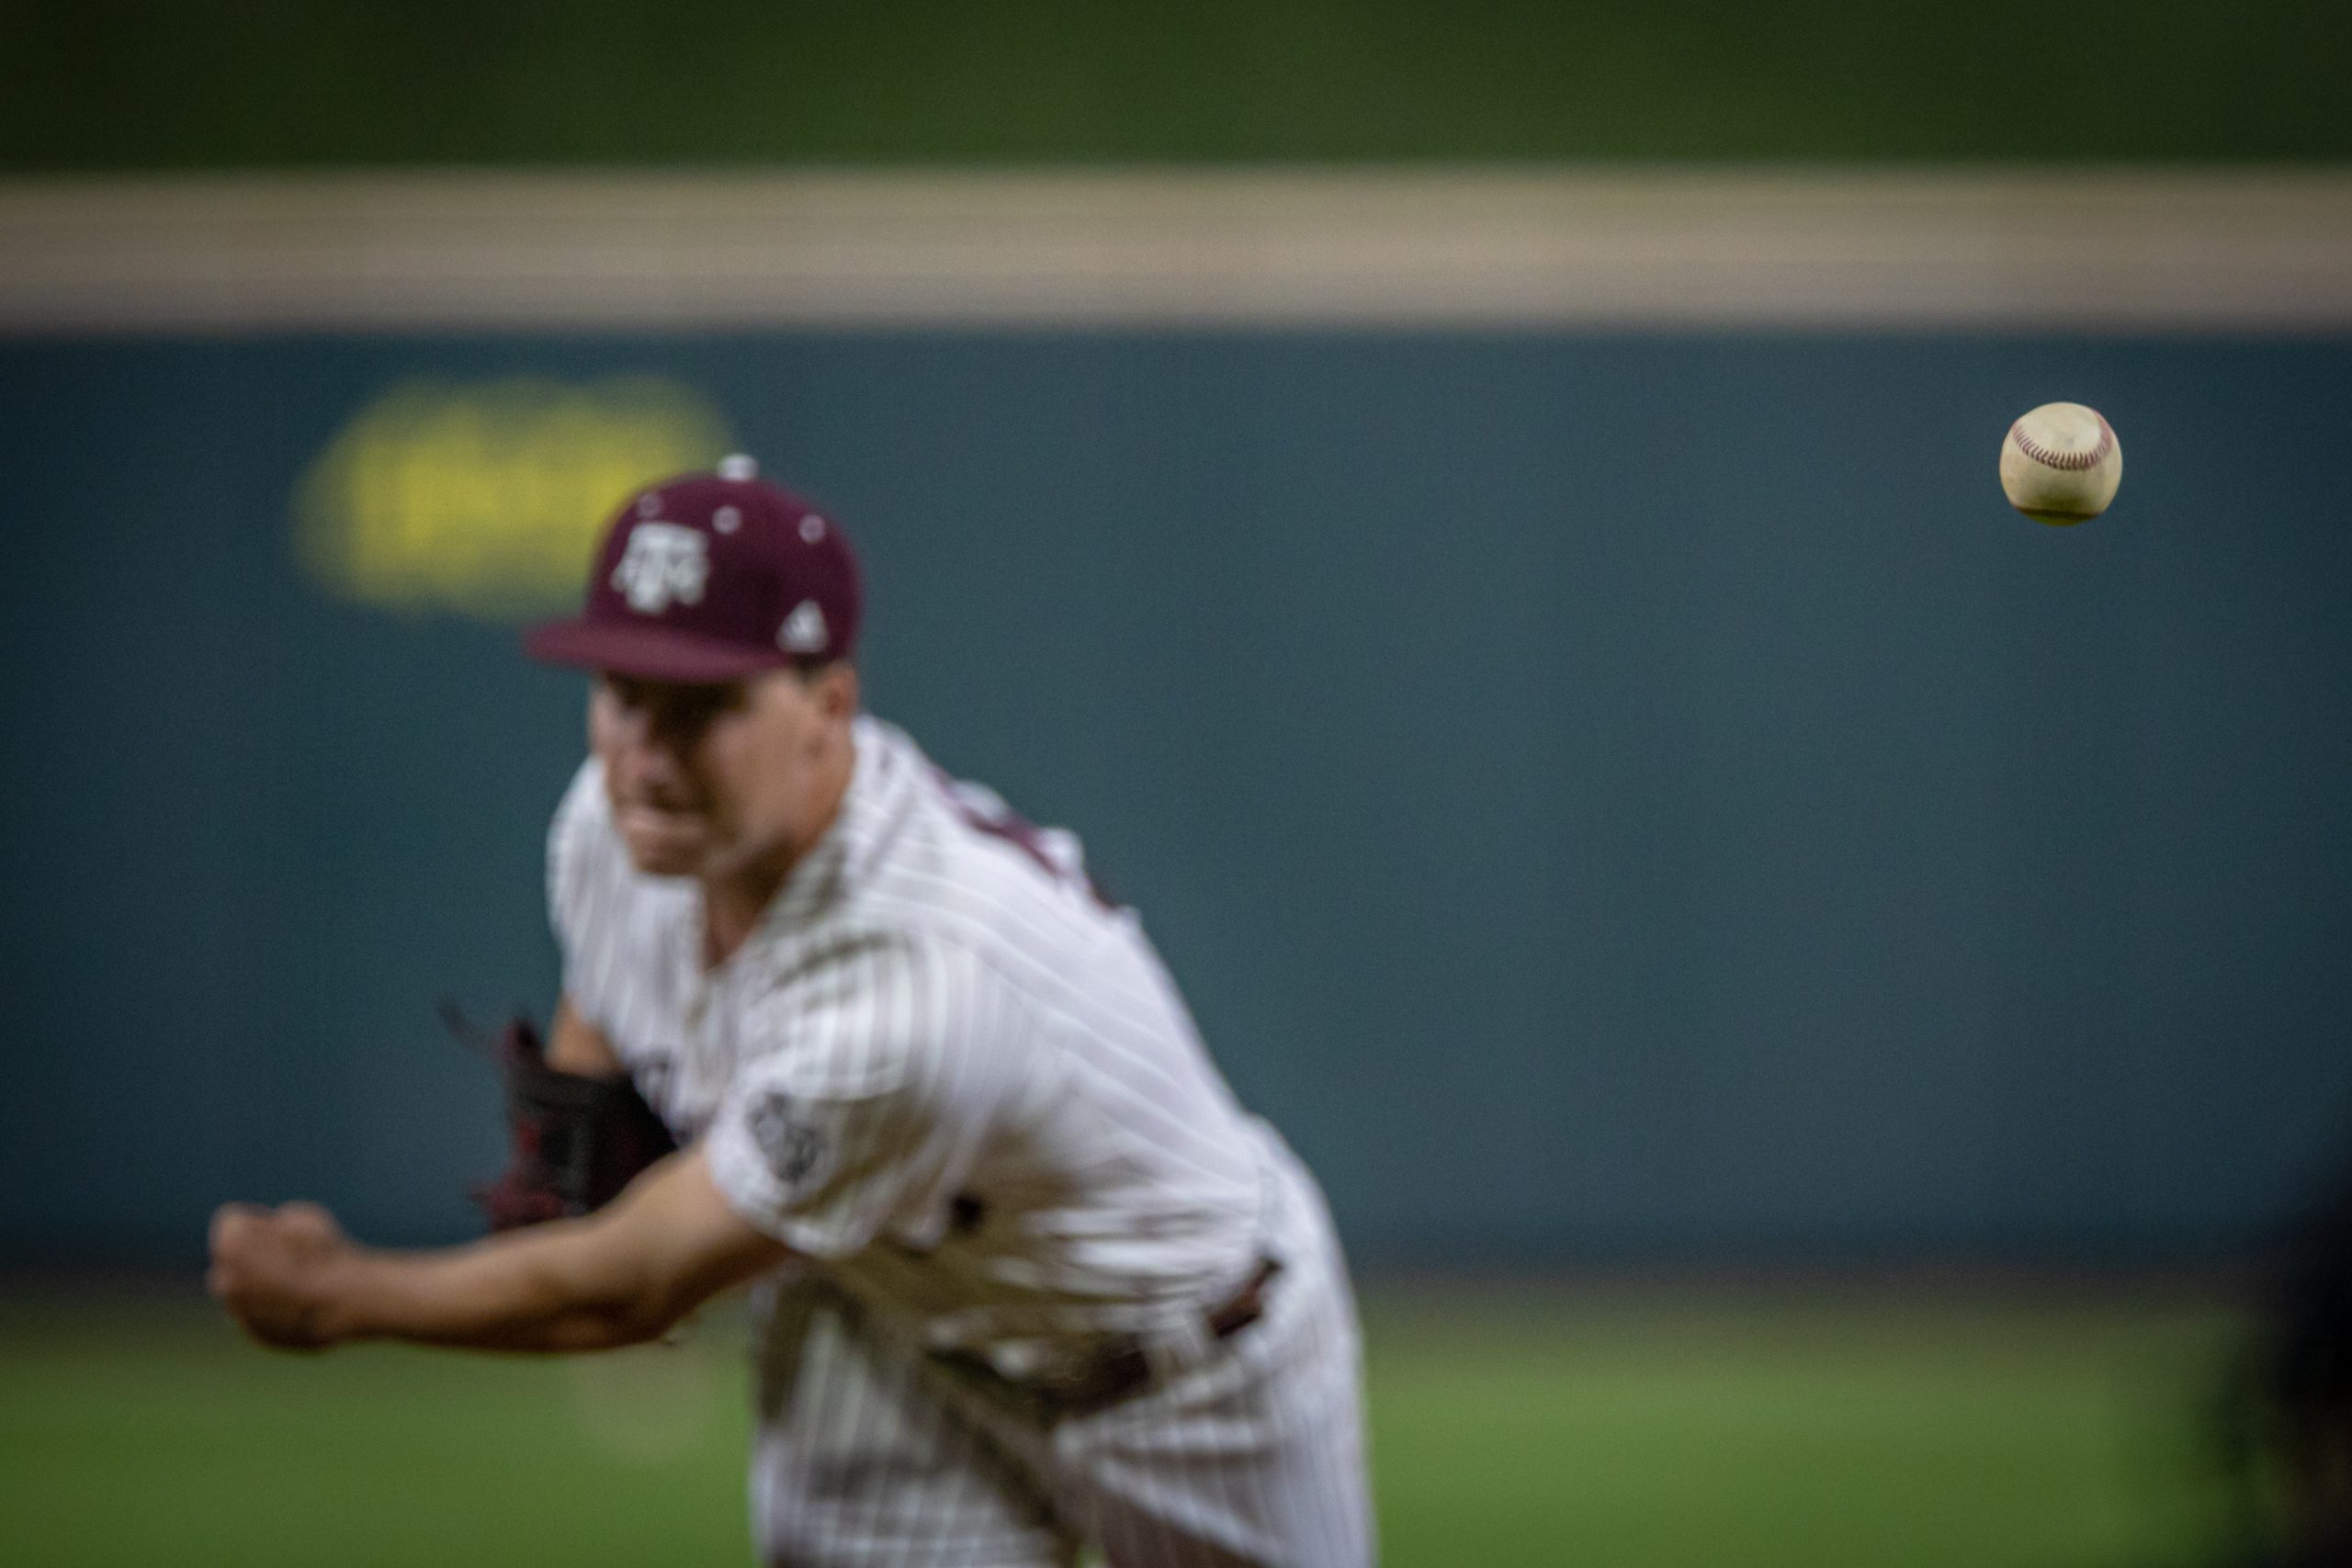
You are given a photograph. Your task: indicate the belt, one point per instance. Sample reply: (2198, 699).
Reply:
(1121, 1370)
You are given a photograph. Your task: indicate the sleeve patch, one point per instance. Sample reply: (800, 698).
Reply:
(789, 1140)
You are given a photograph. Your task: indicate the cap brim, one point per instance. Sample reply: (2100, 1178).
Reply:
(648, 652)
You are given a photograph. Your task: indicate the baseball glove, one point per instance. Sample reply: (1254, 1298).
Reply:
(577, 1140)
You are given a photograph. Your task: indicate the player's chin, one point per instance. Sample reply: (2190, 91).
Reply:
(665, 843)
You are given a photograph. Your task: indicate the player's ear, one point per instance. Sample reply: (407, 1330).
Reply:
(836, 690)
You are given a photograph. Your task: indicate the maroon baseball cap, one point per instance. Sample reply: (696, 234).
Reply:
(706, 578)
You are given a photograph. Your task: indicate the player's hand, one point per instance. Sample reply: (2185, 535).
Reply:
(275, 1270)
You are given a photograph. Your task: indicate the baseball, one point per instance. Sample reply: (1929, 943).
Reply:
(2061, 464)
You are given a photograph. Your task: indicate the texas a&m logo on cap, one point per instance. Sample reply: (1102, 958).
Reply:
(663, 563)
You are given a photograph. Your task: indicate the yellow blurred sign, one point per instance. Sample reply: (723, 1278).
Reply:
(488, 498)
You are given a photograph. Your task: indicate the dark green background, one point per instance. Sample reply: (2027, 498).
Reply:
(1611, 798)
(105, 84)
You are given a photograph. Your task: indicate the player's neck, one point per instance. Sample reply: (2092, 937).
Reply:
(734, 900)
(730, 911)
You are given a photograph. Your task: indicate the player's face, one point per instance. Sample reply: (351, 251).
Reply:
(709, 781)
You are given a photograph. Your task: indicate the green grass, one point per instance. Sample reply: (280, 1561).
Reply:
(1600, 1429)
(138, 1434)
(1635, 1431)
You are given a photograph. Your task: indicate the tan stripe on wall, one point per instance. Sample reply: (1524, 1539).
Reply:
(2136, 249)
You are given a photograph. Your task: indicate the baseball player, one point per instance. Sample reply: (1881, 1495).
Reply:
(1027, 1282)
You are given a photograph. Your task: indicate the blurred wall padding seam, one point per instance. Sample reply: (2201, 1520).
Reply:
(2100, 250)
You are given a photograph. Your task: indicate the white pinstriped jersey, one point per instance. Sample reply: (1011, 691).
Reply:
(947, 1073)
(940, 1064)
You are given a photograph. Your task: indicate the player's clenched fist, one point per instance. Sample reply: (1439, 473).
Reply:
(272, 1269)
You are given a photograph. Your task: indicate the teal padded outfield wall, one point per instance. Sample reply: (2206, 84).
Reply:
(1609, 798)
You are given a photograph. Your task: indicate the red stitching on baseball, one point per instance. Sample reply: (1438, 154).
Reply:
(2069, 462)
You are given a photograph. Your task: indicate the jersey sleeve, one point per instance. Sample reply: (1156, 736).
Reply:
(580, 868)
(881, 1081)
